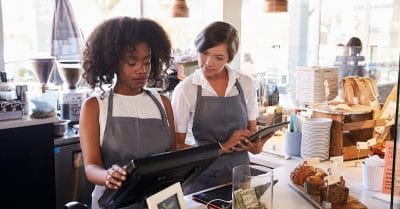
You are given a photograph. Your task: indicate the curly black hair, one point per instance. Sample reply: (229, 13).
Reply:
(107, 44)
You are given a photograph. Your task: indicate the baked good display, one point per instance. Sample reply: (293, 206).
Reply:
(301, 172)
(313, 183)
(337, 193)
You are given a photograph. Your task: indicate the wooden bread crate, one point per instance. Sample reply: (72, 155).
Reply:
(347, 129)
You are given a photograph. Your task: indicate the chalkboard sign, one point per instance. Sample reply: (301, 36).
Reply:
(169, 203)
(168, 198)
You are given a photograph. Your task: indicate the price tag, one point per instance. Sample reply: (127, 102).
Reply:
(371, 142)
(312, 161)
(362, 145)
(332, 179)
(338, 160)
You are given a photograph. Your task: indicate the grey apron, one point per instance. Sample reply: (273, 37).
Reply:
(127, 138)
(215, 120)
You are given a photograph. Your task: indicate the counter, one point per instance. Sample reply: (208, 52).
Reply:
(26, 121)
(71, 137)
(287, 198)
(284, 196)
(26, 147)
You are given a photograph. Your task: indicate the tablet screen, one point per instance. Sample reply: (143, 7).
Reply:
(267, 130)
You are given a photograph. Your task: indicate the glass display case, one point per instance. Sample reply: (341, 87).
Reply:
(363, 39)
(395, 177)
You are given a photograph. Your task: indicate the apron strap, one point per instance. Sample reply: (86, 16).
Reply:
(160, 108)
(163, 116)
(109, 119)
(198, 103)
(239, 87)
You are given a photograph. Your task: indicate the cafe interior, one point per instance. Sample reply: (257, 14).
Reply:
(328, 70)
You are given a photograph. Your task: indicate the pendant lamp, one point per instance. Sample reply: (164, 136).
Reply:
(276, 6)
(180, 9)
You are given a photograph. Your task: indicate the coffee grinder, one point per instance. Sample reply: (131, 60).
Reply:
(42, 68)
(71, 97)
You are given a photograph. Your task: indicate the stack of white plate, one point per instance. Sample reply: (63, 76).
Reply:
(316, 138)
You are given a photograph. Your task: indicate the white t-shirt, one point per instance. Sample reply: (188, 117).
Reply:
(138, 106)
(185, 95)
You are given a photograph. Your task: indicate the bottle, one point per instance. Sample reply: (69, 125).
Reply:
(22, 95)
(26, 102)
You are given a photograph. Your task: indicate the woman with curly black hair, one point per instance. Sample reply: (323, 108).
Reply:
(127, 122)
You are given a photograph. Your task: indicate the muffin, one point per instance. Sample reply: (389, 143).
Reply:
(313, 183)
(338, 193)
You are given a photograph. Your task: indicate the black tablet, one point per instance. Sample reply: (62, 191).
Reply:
(220, 193)
(267, 130)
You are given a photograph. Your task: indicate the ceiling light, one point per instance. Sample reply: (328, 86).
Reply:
(276, 6)
(180, 9)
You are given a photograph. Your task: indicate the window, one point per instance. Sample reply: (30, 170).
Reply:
(27, 32)
(102, 10)
(34, 37)
(264, 48)
(375, 22)
(183, 31)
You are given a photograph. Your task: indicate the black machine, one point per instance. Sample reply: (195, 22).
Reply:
(152, 174)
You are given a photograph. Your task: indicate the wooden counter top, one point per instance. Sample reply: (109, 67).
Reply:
(26, 121)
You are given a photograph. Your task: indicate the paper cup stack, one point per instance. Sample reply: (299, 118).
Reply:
(372, 173)
(310, 87)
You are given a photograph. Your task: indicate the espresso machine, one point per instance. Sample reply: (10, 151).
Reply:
(71, 97)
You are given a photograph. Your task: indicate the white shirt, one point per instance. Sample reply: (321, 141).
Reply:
(185, 95)
(138, 106)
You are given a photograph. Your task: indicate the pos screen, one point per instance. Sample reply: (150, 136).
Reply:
(149, 175)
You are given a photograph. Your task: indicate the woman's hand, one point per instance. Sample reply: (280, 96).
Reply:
(115, 176)
(234, 140)
(256, 146)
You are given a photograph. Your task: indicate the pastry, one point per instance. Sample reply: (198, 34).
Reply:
(301, 172)
(337, 193)
(320, 173)
(312, 185)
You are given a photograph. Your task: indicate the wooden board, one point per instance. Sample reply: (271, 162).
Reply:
(352, 203)
(352, 153)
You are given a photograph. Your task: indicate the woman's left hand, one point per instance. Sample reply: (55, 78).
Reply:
(256, 146)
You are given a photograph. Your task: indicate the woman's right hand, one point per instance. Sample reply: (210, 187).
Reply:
(115, 176)
(234, 140)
